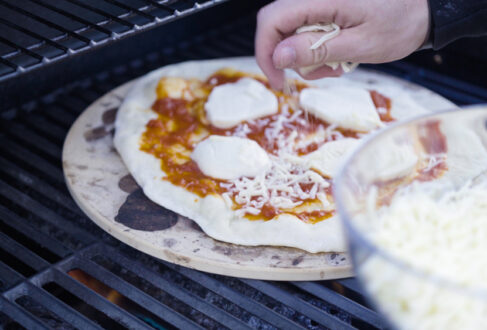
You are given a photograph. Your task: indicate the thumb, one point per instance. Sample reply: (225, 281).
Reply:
(344, 47)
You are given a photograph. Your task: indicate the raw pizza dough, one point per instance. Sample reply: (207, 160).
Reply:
(211, 212)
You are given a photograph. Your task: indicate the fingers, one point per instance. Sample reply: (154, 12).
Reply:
(347, 46)
(265, 42)
(279, 20)
(323, 71)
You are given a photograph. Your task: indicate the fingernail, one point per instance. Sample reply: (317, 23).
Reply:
(286, 58)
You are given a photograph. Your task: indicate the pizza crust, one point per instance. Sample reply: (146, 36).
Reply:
(211, 212)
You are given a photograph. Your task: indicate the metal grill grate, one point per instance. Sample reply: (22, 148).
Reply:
(37, 32)
(49, 251)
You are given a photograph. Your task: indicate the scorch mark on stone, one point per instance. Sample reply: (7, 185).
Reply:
(109, 116)
(298, 260)
(169, 242)
(138, 212)
(128, 184)
(96, 133)
(238, 252)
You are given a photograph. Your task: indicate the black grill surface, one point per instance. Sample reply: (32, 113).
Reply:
(49, 249)
(36, 32)
(48, 43)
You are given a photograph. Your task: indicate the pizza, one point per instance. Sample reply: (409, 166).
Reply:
(250, 165)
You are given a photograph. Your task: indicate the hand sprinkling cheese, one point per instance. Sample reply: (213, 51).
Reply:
(377, 31)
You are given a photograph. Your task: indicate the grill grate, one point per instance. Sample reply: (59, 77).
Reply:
(37, 32)
(45, 239)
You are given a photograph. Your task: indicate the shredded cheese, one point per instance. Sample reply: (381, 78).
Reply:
(280, 186)
(439, 230)
(433, 160)
(330, 30)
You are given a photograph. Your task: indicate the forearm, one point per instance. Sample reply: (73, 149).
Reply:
(454, 19)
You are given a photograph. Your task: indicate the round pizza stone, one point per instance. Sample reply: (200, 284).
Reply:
(102, 187)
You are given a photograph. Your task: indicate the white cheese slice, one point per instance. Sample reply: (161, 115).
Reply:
(393, 161)
(230, 104)
(328, 158)
(229, 157)
(346, 106)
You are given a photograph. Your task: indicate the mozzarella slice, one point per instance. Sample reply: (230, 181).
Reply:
(393, 161)
(230, 104)
(346, 106)
(328, 158)
(229, 157)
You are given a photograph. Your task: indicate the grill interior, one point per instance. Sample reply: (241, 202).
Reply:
(36, 32)
(58, 270)
(45, 44)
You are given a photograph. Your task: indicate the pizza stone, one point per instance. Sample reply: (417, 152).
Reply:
(101, 185)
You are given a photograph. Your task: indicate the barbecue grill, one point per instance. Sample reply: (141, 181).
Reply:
(57, 269)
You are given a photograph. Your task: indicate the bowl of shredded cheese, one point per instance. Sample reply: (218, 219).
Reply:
(413, 201)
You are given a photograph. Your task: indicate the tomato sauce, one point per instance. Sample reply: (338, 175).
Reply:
(433, 173)
(434, 143)
(433, 140)
(171, 138)
(384, 104)
(269, 212)
(315, 216)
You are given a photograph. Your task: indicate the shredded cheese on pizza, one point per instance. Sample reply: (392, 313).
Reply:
(291, 184)
(281, 186)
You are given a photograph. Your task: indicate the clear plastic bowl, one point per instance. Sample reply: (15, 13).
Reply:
(408, 295)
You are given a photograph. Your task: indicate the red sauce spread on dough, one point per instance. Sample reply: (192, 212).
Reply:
(433, 140)
(383, 104)
(434, 143)
(171, 138)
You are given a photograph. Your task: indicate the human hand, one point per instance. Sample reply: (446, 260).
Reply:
(373, 31)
